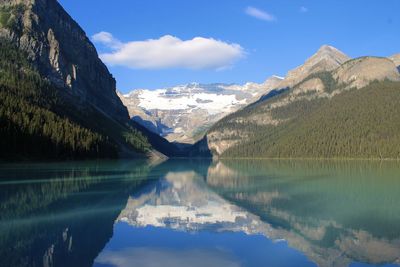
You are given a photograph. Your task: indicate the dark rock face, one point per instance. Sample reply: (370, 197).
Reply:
(62, 52)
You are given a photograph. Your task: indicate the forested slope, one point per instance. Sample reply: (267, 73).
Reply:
(363, 123)
(37, 120)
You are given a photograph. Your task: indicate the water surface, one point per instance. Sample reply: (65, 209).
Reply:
(200, 213)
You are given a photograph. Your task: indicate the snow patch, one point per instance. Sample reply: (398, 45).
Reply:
(162, 99)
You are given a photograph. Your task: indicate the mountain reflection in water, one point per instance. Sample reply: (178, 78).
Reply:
(335, 213)
(200, 213)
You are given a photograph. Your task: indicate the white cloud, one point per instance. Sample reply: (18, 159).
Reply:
(170, 52)
(159, 257)
(107, 39)
(259, 14)
(303, 9)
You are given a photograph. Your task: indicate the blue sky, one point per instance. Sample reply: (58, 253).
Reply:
(230, 41)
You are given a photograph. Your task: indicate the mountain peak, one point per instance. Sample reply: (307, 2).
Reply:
(332, 52)
(328, 53)
(327, 58)
(327, 48)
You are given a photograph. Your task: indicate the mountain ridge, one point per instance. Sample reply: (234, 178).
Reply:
(277, 115)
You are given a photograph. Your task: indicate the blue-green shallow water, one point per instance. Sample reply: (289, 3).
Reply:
(200, 213)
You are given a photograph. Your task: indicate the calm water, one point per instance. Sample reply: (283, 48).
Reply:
(199, 213)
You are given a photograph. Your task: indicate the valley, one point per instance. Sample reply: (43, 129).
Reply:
(332, 106)
(60, 101)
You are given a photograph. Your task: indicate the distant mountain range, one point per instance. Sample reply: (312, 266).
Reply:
(184, 113)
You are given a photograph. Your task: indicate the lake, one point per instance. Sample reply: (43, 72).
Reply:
(200, 213)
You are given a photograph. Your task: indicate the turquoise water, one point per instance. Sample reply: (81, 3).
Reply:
(200, 213)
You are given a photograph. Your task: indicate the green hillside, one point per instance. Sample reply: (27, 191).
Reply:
(361, 123)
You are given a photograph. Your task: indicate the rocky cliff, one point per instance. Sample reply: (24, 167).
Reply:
(61, 51)
(52, 74)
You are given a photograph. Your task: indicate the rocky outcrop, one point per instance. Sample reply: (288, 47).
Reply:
(360, 72)
(396, 60)
(62, 52)
(310, 86)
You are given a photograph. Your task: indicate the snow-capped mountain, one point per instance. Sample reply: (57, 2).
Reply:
(184, 113)
(182, 201)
